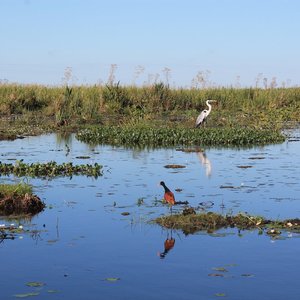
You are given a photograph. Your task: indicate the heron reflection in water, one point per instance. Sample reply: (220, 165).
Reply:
(205, 162)
(168, 245)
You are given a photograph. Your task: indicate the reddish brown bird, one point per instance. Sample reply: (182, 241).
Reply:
(168, 244)
(168, 196)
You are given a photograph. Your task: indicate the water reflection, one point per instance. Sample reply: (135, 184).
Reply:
(64, 138)
(168, 245)
(12, 228)
(205, 163)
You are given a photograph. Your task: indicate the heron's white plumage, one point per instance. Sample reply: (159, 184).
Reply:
(204, 114)
(201, 118)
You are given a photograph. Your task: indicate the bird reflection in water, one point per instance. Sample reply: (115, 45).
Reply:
(168, 245)
(205, 163)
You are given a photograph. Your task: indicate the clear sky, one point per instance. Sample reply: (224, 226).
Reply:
(224, 42)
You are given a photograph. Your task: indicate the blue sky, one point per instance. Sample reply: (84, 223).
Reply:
(227, 42)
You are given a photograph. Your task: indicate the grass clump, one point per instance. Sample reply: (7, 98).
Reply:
(19, 189)
(142, 136)
(191, 223)
(18, 199)
(50, 169)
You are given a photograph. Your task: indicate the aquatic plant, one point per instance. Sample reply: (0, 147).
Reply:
(210, 221)
(163, 137)
(18, 199)
(50, 169)
(19, 189)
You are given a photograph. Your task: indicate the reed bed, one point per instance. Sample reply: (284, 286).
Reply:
(116, 104)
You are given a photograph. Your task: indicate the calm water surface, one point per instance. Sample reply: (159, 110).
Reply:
(82, 239)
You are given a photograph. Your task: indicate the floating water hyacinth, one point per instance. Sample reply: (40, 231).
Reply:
(166, 137)
(50, 169)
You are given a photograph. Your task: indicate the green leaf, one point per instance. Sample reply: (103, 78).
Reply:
(35, 284)
(112, 279)
(26, 295)
(220, 269)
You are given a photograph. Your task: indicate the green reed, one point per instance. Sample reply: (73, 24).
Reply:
(115, 104)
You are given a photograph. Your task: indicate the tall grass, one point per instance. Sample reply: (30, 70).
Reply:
(19, 189)
(116, 104)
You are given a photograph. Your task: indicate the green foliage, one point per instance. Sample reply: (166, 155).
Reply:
(266, 108)
(64, 106)
(141, 136)
(210, 221)
(19, 189)
(50, 169)
(116, 97)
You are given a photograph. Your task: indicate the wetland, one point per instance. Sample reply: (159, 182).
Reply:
(96, 236)
(95, 157)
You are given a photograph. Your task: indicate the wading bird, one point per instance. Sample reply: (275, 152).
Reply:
(168, 196)
(204, 114)
(168, 245)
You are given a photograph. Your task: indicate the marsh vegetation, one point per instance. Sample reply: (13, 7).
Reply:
(50, 169)
(192, 222)
(97, 231)
(43, 108)
(18, 199)
(88, 222)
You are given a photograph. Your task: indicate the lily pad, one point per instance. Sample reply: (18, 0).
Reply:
(112, 279)
(25, 295)
(220, 294)
(215, 275)
(35, 284)
(174, 166)
(125, 213)
(227, 187)
(221, 269)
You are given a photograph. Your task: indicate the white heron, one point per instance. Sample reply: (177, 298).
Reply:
(204, 114)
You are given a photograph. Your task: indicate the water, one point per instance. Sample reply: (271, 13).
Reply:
(84, 248)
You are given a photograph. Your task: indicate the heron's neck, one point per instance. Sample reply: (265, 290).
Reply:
(209, 106)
